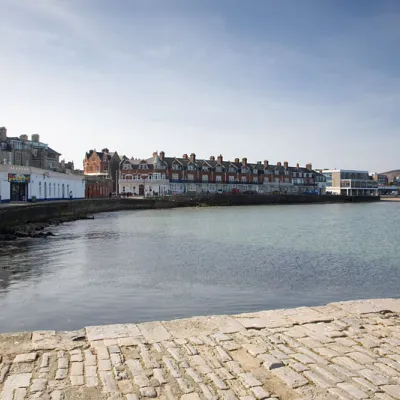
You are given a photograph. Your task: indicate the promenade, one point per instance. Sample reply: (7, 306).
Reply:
(345, 351)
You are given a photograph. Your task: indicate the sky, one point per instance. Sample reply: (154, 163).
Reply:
(280, 80)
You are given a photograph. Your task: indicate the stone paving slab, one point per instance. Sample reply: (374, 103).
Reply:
(345, 350)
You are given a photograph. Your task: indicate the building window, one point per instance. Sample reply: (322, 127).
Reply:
(49, 189)
(191, 167)
(190, 177)
(218, 169)
(231, 169)
(175, 177)
(205, 178)
(205, 168)
(40, 189)
(255, 179)
(244, 179)
(176, 167)
(276, 172)
(231, 179)
(218, 178)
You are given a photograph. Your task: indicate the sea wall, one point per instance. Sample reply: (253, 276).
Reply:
(13, 215)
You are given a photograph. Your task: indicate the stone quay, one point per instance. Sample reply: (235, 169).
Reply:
(346, 350)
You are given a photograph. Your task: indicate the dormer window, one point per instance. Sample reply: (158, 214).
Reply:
(276, 172)
(176, 167)
(204, 168)
(191, 167)
(231, 169)
(218, 169)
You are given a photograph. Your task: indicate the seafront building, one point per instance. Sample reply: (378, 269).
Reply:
(161, 175)
(25, 152)
(350, 182)
(31, 170)
(101, 171)
(19, 183)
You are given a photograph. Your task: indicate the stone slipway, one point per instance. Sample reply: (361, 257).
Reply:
(348, 350)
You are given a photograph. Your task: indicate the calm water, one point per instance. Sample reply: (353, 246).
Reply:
(151, 265)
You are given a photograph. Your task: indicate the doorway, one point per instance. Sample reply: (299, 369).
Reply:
(19, 191)
(141, 190)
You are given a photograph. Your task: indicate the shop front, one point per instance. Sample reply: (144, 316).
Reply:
(19, 186)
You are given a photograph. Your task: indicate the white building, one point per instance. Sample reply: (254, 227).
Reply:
(350, 182)
(33, 184)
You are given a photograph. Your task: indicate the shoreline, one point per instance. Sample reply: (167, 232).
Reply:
(30, 220)
(335, 351)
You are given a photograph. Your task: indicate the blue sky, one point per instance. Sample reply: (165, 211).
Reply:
(303, 81)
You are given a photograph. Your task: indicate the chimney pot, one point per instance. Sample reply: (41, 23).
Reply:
(3, 133)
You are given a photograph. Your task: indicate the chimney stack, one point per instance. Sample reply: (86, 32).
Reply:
(279, 164)
(193, 157)
(236, 160)
(244, 161)
(286, 165)
(266, 164)
(155, 154)
(212, 158)
(162, 155)
(35, 138)
(23, 138)
(3, 133)
(309, 166)
(297, 165)
(185, 156)
(220, 159)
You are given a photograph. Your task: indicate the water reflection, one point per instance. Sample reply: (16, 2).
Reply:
(141, 266)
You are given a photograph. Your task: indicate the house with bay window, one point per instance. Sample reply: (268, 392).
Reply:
(161, 175)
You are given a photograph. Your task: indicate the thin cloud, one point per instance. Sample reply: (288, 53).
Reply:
(183, 80)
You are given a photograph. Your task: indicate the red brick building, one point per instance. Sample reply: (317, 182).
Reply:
(187, 174)
(97, 186)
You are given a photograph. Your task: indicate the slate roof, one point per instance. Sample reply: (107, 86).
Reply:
(199, 163)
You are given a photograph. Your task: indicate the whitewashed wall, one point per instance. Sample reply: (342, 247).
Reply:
(44, 185)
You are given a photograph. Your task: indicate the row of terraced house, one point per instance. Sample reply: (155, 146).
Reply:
(161, 175)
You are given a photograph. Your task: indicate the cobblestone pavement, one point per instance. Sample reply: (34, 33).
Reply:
(348, 350)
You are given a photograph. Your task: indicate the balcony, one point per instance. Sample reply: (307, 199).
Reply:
(144, 180)
(358, 184)
(213, 182)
